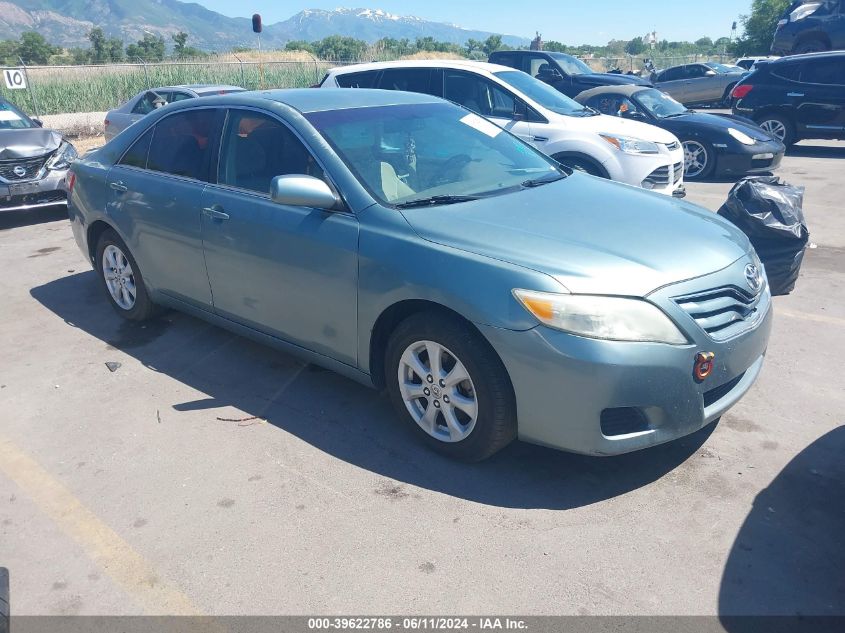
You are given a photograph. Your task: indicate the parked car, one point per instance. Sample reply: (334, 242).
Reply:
(706, 83)
(714, 145)
(796, 97)
(33, 162)
(146, 101)
(563, 72)
(626, 151)
(747, 63)
(810, 26)
(494, 294)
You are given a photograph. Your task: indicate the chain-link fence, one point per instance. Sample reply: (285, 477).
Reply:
(74, 99)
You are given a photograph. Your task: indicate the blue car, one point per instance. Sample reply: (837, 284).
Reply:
(412, 245)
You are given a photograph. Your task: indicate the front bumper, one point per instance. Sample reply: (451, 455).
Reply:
(567, 387)
(661, 173)
(750, 159)
(46, 192)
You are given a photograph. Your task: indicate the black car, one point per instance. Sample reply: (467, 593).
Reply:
(713, 144)
(809, 26)
(563, 72)
(797, 97)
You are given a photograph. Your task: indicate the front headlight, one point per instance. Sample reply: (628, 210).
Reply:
(63, 157)
(631, 145)
(742, 137)
(803, 11)
(612, 318)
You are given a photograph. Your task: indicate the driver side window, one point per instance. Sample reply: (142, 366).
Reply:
(150, 101)
(478, 94)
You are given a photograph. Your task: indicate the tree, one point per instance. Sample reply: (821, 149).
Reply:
(151, 48)
(759, 26)
(340, 48)
(99, 53)
(473, 46)
(114, 49)
(179, 41)
(299, 45)
(555, 46)
(34, 49)
(492, 44)
(705, 43)
(635, 47)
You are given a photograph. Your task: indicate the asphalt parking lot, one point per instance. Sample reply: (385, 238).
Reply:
(208, 474)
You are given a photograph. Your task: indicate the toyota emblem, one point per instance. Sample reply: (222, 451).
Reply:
(19, 171)
(753, 278)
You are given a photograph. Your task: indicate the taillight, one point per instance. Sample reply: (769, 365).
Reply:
(71, 181)
(741, 91)
(106, 123)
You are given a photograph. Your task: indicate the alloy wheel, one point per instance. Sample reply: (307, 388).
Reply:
(695, 159)
(120, 279)
(774, 128)
(437, 391)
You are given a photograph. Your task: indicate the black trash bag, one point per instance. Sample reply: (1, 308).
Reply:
(769, 213)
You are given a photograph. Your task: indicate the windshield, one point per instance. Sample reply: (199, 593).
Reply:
(430, 151)
(720, 68)
(542, 93)
(571, 65)
(659, 103)
(13, 119)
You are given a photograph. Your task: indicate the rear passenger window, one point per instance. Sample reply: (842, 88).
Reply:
(408, 79)
(791, 72)
(358, 80)
(136, 155)
(257, 148)
(182, 143)
(824, 71)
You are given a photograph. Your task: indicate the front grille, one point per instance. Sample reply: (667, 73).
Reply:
(45, 197)
(661, 175)
(622, 421)
(30, 168)
(721, 312)
(717, 393)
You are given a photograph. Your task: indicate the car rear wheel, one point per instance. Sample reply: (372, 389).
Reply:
(778, 126)
(812, 46)
(699, 160)
(122, 278)
(444, 378)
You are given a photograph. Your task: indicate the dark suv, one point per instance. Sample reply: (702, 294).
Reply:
(808, 26)
(796, 97)
(565, 73)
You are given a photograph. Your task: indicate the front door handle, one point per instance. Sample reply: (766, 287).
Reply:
(118, 186)
(216, 212)
(794, 94)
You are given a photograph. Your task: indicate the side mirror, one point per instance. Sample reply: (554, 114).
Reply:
(710, 73)
(38, 122)
(302, 191)
(632, 114)
(520, 110)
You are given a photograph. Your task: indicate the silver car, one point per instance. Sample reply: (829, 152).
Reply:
(146, 101)
(695, 84)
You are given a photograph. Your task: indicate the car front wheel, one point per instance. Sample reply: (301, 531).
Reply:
(444, 378)
(699, 160)
(778, 126)
(122, 278)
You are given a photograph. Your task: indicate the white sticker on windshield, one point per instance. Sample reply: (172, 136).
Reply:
(8, 115)
(482, 125)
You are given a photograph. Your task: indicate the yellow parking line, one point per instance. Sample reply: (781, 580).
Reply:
(820, 318)
(114, 555)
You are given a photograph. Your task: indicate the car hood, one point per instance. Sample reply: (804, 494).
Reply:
(606, 124)
(715, 123)
(28, 143)
(592, 235)
(611, 79)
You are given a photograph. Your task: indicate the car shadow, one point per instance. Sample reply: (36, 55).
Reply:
(789, 555)
(15, 219)
(816, 151)
(341, 417)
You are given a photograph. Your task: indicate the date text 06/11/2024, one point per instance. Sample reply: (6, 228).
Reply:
(421, 623)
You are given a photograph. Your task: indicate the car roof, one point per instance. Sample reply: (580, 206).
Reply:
(805, 56)
(313, 100)
(459, 64)
(624, 89)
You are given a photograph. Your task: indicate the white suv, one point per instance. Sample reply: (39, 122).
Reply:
(626, 151)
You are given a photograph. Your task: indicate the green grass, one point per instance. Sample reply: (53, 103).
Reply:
(99, 88)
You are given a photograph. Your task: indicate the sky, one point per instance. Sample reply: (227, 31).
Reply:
(572, 22)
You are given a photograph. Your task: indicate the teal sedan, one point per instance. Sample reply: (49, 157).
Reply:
(412, 245)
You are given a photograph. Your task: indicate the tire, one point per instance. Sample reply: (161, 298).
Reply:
(778, 126)
(700, 154)
(580, 164)
(811, 46)
(726, 98)
(5, 601)
(114, 259)
(481, 406)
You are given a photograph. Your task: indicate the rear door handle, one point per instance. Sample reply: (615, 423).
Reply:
(794, 94)
(118, 186)
(216, 212)
(539, 139)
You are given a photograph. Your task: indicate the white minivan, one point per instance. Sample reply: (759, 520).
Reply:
(623, 150)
